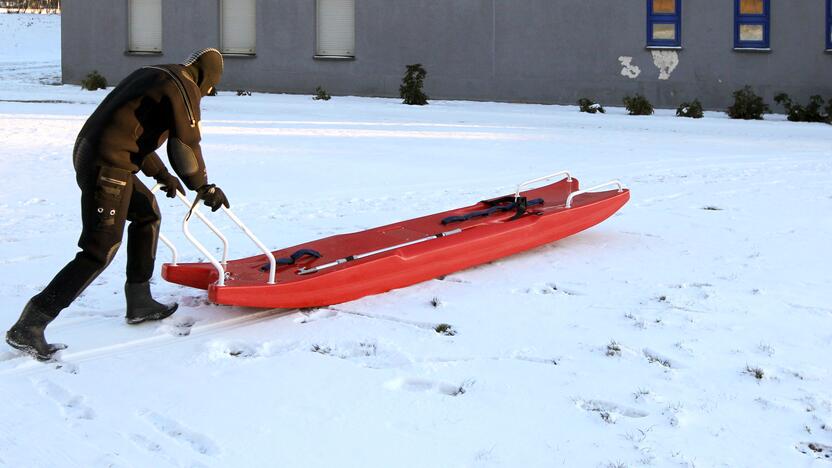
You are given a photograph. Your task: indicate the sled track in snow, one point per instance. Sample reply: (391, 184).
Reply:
(32, 367)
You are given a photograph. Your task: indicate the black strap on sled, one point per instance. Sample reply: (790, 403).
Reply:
(497, 205)
(293, 258)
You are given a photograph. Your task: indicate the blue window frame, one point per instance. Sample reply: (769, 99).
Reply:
(828, 24)
(752, 24)
(664, 23)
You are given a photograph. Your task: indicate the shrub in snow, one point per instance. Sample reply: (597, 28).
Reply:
(589, 106)
(412, 83)
(690, 109)
(243, 92)
(212, 91)
(94, 81)
(638, 105)
(321, 94)
(747, 105)
(445, 329)
(812, 112)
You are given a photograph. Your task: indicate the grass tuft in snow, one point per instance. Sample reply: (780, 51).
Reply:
(639, 394)
(757, 372)
(435, 302)
(654, 358)
(613, 349)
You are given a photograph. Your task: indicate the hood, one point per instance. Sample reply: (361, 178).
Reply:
(205, 68)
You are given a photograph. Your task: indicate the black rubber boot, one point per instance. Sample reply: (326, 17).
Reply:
(140, 304)
(27, 334)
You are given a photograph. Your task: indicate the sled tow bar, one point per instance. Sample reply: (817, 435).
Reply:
(220, 266)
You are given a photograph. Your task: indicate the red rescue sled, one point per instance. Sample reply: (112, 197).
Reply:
(354, 265)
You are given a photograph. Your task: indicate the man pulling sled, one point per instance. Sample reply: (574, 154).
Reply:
(151, 105)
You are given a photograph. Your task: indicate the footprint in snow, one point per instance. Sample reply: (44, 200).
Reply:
(72, 406)
(413, 384)
(610, 412)
(315, 315)
(178, 326)
(194, 301)
(364, 353)
(67, 367)
(223, 350)
(153, 447)
(199, 443)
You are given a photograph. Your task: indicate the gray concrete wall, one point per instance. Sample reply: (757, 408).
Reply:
(550, 51)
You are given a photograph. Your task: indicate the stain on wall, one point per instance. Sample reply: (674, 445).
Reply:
(666, 61)
(628, 69)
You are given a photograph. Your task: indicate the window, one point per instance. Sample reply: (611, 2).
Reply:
(664, 23)
(336, 28)
(829, 25)
(144, 26)
(238, 33)
(752, 24)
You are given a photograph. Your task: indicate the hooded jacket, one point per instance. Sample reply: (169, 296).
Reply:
(151, 105)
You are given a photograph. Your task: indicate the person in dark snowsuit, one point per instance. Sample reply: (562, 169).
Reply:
(120, 138)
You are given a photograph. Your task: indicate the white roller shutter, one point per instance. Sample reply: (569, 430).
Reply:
(336, 28)
(145, 25)
(238, 19)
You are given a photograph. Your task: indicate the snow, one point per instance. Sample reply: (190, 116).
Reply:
(634, 343)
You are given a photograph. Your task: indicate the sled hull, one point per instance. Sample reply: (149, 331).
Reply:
(481, 240)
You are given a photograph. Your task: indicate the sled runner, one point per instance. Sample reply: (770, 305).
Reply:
(345, 267)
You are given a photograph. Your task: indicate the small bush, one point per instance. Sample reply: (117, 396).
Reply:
(412, 83)
(243, 92)
(94, 81)
(747, 105)
(813, 112)
(445, 329)
(692, 110)
(591, 107)
(638, 105)
(321, 94)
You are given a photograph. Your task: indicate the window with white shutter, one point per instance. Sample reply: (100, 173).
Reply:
(144, 25)
(238, 34)
(336, 28)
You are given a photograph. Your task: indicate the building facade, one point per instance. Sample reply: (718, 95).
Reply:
(544, 51)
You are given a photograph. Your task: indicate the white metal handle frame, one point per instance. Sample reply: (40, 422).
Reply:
(205, 220)
(592, 189)
(219, 266)
(541, 179)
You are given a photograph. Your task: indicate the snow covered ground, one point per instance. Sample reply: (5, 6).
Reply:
(694, 328)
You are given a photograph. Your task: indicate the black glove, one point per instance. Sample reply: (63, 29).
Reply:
(212, 196)
(170, 184)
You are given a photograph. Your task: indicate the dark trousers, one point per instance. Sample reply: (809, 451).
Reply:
(109, 198)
